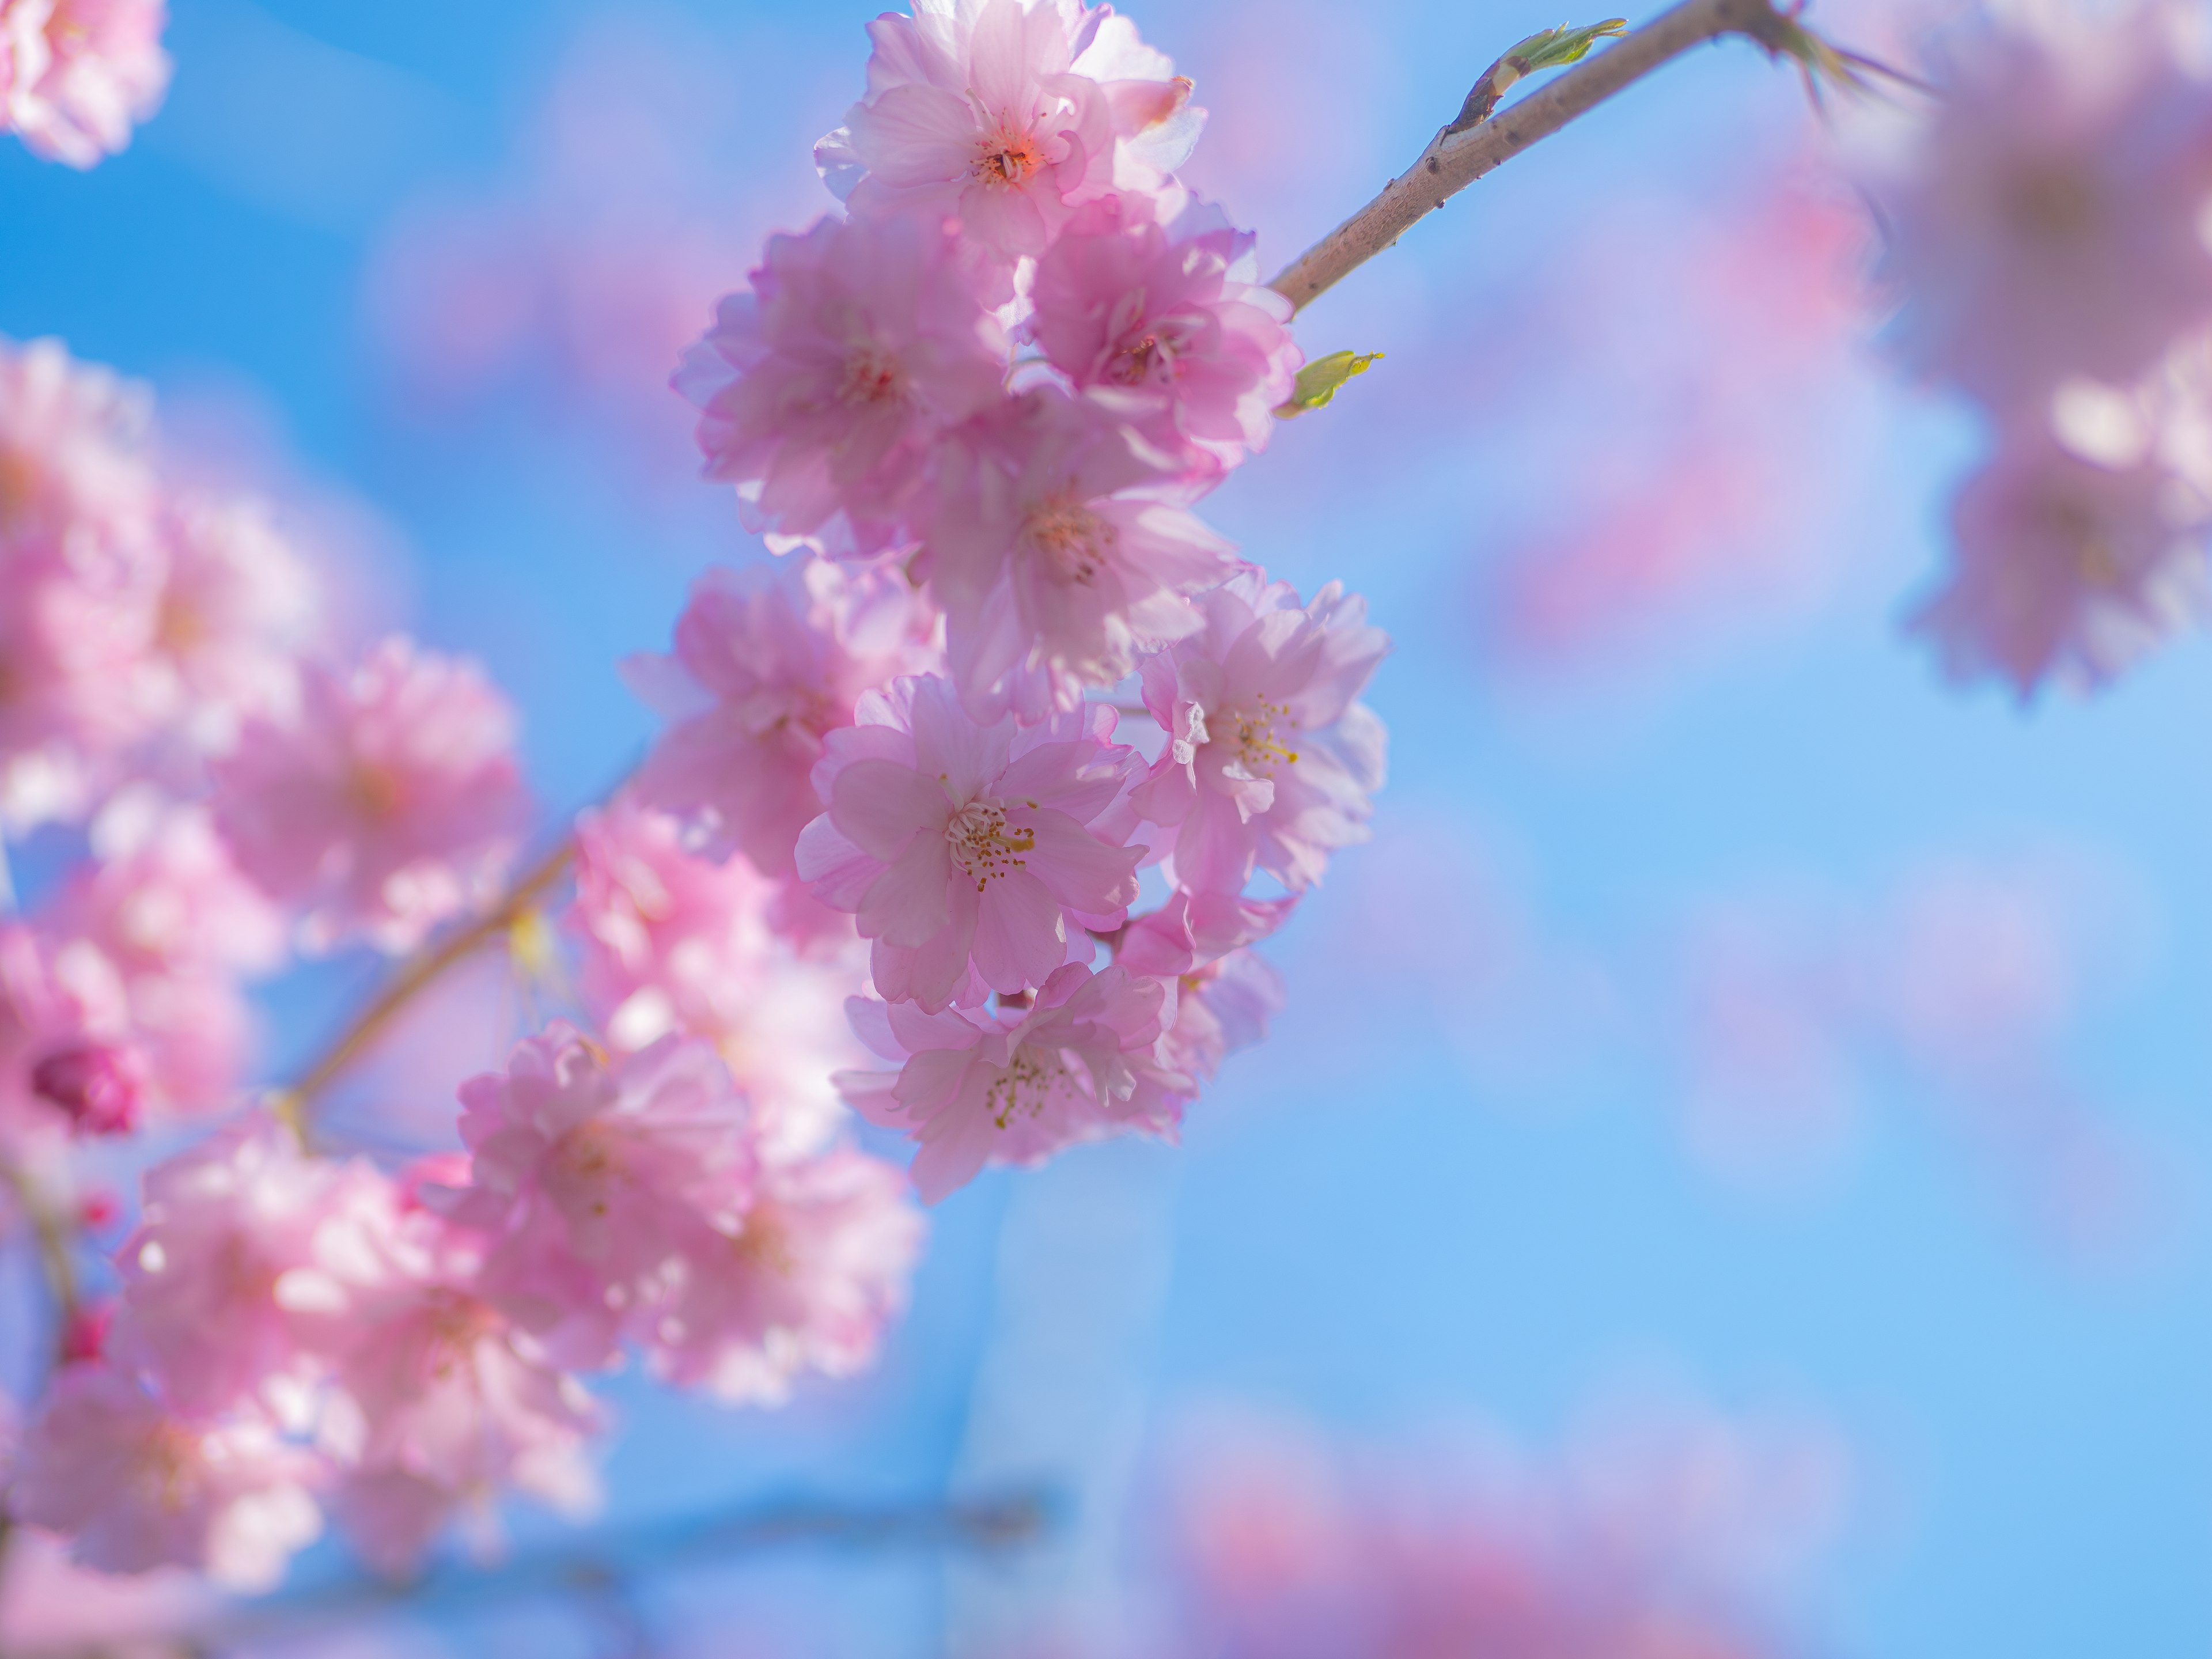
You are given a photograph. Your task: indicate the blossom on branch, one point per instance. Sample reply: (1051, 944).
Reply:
(970, 853)
(391, 802)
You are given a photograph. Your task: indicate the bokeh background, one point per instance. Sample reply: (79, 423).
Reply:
(1731, 1023)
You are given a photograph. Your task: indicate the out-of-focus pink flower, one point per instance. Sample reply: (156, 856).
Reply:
(162, 894)
(1227, 992)
(763, 666)
(236, 609)
(138, 1487)
(1167, 325)
(49, 1604)
(440, 1405)
(969, 853)
(98, 1088)
(674, 943)
(81, 568)
(603, 1182)
(1058, 546)
(206, 1305)
(1016, 1086)
(818, 1268)
(2066, 569)
(76, 76)
(1007, 115)
(2047, 223)
(821, 389)
(390, 804)
(1270, 760)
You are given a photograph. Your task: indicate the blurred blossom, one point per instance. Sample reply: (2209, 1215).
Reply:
(76, 76)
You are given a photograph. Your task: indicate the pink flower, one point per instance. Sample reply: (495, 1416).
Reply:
(2064, 569)
(1058, 548)
(970, 853)
(82, 569)
(390, 804)
(601, 1181)
(1227, 993)
(97, 69)
(162, 894)
(760, 673)
(1269, 761)
(206, 1306)
(821, 389)
(236, 610)
(440, 1405)
(139, 1487)
(807, 1284)
(97, 1087)
(674, 943)
(2048, 225)
(1007, 115)
(1014, 1086)
(1167, 325)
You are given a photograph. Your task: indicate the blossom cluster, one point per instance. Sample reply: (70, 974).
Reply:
(983, 402)
(76, 76)
(2046, 238)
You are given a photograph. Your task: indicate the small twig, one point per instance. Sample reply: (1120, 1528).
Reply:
(1476, 144)
(53, 1238)
(292, 1105)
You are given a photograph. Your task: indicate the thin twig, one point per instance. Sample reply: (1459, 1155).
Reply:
(54, 1239)
(1456, 159)
(409, 978)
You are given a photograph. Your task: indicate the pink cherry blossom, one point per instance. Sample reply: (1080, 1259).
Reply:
(969, 853)
(205, 1303)
(821, 389)
(390, 803)
(674, 943)
(76, 76)
(764, 666)
(440, 1405)
(81, 568)
(2066, 569)
(1058, 546)
(808, 1283)
(1227, 992)
(236, 609)
(1167, 325)
(600, 1180)
(2047, 223)
(138, 1487)
(1007, 115)
(1016, 1086)
(1269, 762)
(162, 894)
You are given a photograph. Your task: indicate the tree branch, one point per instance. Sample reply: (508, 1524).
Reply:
(1460, 155)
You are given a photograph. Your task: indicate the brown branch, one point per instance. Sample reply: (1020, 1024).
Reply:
(409, 980)
(1458, 155)
(54, 1237)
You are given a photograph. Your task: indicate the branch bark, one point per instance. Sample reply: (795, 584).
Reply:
(1454, 159)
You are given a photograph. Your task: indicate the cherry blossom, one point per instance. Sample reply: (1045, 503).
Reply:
(820, 390)
(1012, 1086)
(763, 668)
(602, 1181)
(138, 1487)
(1006, 115)
(76, 76)
(969, 853)
(1167, 325)
(1227, 992)
(390, 804)
(1270, 760)
(2047, 221)
(2065, 568)
(807, 1284)
(1060, 545)
(673, 942)
(82, 568)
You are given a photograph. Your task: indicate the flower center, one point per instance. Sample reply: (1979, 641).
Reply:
(1251, 731)
(1076, 543)
(982, 846)
(19, 487)
(872, 376)
(1025, 1087)
(2051, 203)
(588, 1156)
(1152, 354)
(764, 1243)
(374, 790)
(1005, 156)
